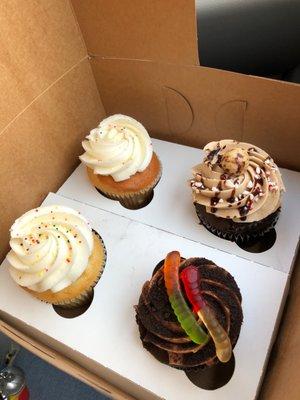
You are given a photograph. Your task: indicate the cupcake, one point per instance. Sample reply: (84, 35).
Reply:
(55, 255)
(120, 161)
(237, 190)
(189, 316)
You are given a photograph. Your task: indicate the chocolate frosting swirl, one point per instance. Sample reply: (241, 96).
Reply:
(160, 330)
(237, 180)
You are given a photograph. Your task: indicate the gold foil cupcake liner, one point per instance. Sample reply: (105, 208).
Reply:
(134, 200)
(85, 296)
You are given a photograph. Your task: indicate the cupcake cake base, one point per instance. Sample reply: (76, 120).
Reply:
(133, 193)
(79, 293)
(236, 231)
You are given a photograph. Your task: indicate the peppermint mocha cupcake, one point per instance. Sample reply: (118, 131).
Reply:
(55, 255)
(237, 190)
(120, 161)
(189, 316)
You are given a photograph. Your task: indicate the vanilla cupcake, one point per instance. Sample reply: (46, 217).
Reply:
(120, 161)
(55, 255)
(237, 190)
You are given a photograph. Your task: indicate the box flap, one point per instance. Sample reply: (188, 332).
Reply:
(203, 104)
(282, 378)
(140, 29)
(32, 52)
(40, 148)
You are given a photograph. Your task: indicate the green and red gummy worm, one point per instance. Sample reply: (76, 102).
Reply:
(190, 278)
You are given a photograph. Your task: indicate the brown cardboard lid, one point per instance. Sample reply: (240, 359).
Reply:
(140, 29)
(194, 105)
(32, 52)
(282, 377)
(51, 102)
(40, 147)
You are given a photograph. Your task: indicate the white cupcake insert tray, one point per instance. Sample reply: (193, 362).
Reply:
(172, 209)
(136, 240)
(105, 338)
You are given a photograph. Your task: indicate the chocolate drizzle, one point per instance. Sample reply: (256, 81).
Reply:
(231, 199)
(256, 191)
(246, 208)
(235, 177)
(214, 201)
(259, 181)
(213, 153)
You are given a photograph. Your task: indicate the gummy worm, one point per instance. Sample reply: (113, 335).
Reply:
(180, 307)
(190, 277)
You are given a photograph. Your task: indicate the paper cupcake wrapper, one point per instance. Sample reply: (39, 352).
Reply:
(133, 200)
(154, 351)
(255, 230)
(85, 296)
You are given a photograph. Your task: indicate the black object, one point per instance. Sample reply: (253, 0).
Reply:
(293, 75)
(239, 232)
(260, 37)
(259, 245)
(214, 377)
(75, 311)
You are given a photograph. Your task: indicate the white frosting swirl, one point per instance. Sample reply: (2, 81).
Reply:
(120, 146)
(50, 248)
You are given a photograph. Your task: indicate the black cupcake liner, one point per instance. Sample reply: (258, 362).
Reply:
(236, 231)
(207, 377)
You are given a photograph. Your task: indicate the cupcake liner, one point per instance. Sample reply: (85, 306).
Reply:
(85, 296)
(214, 376)
(133, 200)
(237, 232)
(77, 302)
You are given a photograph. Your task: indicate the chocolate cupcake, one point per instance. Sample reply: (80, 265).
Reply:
(179, 328)
(237, 190)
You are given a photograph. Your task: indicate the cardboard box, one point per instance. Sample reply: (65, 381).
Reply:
(139, 58)
(170, 209)
(106, 337)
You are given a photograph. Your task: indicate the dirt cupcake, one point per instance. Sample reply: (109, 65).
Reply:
(189, 316)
